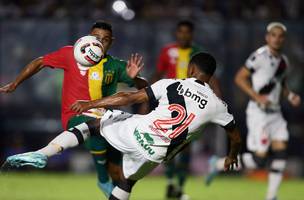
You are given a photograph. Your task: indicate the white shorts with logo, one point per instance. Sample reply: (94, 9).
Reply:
(263, 128)
(118, 127)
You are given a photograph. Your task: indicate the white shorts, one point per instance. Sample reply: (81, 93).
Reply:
(264, 128)
(117, 127)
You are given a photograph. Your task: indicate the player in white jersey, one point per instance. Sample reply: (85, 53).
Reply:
(147, 140)
(266, 67)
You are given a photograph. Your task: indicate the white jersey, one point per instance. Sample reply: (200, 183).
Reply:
(267, 75)
(183, 107)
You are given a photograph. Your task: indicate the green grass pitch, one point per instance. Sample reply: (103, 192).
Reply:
(38, 186)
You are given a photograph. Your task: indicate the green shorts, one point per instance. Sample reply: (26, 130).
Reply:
(97, 145)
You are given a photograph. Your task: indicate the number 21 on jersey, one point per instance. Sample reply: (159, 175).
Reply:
(181, 120)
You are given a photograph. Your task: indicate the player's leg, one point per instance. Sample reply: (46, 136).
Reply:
(277, 167)
(67, 139)
(97, 147)
(114, 164)
(182, 169)
(170, 171)
(135, 167)
(278, 157)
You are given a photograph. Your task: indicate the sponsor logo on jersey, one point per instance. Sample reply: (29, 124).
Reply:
(109, 77)
(192, 95)
(144, 140)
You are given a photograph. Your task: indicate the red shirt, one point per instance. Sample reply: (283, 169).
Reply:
(172, 58)
(75, 84)
(167, 60)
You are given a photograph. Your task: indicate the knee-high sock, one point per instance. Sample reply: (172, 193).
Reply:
(66, 139)
(183, 168)
(277, 167)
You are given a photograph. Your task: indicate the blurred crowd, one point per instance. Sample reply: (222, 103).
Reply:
(152, 9)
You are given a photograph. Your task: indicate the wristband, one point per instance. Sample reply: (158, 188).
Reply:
(290, 96)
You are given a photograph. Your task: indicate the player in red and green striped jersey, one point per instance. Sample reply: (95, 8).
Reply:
(89, 84)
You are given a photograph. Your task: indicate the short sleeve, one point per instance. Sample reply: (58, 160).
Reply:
(162, 63)
(222, 117)
(58, 59)
(123, 76)
(252, 63)
(156, 90)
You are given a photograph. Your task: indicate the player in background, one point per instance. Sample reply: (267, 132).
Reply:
(173, 63)
(267, 129)
(148, 140)
(89, 84)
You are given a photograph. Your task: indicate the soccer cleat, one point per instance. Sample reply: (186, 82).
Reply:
(212, 171)
(171, 191)
(34, 159)
(106, 188)
(182, 196)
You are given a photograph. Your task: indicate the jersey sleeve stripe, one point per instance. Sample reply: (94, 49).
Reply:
(150, 94)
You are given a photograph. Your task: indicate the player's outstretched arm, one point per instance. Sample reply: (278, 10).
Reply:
(242, 81)
(28, 71)
(116, 100)
(235, 146)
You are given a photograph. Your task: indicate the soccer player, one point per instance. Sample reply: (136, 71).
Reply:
(147, 140)
(267, 129)
(89, 84)
(173, 63)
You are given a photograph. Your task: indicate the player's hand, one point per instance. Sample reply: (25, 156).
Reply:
(262, 100)
(134, 65)
(11, 87)
(229, 163)
(294, 100)
(80, 106)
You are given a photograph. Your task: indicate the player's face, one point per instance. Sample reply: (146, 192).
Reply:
(275, 38)
(104, 36)
(184, 36)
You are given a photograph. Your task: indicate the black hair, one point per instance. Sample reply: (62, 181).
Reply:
(186, 23)
(102, 25)
(205, 62)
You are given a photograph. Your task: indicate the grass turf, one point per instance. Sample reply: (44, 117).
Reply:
(36, 186)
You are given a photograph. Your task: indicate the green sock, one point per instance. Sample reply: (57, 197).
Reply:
(170, 170)
(101, 168)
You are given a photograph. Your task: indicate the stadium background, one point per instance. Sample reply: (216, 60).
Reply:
(230, 30)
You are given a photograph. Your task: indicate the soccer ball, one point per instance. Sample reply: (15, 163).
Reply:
(88, 51)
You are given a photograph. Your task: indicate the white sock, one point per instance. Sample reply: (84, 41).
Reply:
(275, 177)
(63, 141)
(120, 193)
(248, 161)
(220, 164)
(50, 150)
(170, 181)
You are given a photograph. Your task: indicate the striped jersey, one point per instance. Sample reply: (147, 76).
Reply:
(78, 84)
(267, 75)
(184, 106)
(174, 60)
